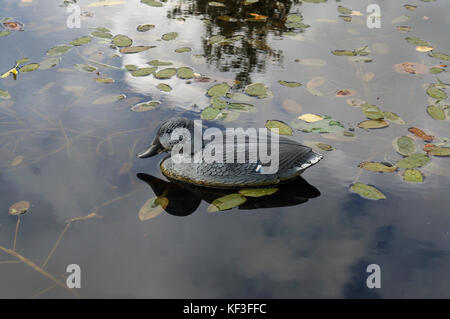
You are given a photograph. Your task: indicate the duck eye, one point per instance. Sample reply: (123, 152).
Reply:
(180, 138)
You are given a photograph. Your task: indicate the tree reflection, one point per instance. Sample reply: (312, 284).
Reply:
(245, 28)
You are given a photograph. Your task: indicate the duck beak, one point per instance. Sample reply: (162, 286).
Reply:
(153, 149)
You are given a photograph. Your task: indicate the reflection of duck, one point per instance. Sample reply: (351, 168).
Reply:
(184, 199)
(252, 171)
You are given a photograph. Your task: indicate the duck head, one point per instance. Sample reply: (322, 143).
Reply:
(173, 132)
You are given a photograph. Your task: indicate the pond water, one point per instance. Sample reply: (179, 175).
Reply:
(68, 145)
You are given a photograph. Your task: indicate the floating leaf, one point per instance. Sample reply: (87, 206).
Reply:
(19, 208)
(372, 111)
(4, 33)
(412, 175)
(404, 145)
(325, 147)
(219, 90)
(145, 27)
(436, 112)
(400, 19)
(377, 167)
(437, 150)
(367, 191)
(413, 161)
(159, 63)
(185, 73)
(152, 3)
(104, 80)
(257, 89)
(105, 3)
(435, 70)
(109, 99)
(216, 39)
(131, 67)
(310, 118)
(166, 73)
(85, 67)
(80, 41)
(17, 160)
(164, 87)
(143, 71)
(344, 10)
(226, 202)
(421, 134)
(290, 84)
(183, 50)
(393, 117)
(210, 113)
(373, 124)
(436, 93)
(241, 107)
(153, 207)
(257, 192)
(440, 56)
(417, 41)
(101, 34)
(145, 106)
(59, 49)
(344, 52)
(121, 41)
(49, 63)
(169, 36)
(136, 49)
(411, 68)
(311, 62)
(4, 94)
(29, 67)
(326, 125)
(283, 128)
(216, 4)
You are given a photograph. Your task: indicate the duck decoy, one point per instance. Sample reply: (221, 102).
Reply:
(293, 158)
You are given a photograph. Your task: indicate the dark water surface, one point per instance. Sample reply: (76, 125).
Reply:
(314, 240)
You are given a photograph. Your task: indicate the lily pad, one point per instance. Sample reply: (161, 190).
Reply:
(257, 192)
(166, 73)
(4, 33)
(413, 161)
(85, 67)
(219, 89)
(394, 118)
(59, 49)
(185, 73)
(257, 89)
(226, 202)
(104, 80)
(131, 67)
(183, 50)
(82, 40)
(49, 63)
(440, 56)
(436, 112)
(101, 34)
(122, 41)
(373, 124)
(377, 167)
(19, 208)
(29, 67)
(169, 36)
(143, 71)
(152, 3)
(436, 93)
(145, 27)
(136, 49)
(164, 87)
(326, 125)
(241, 107)
(283, 128)
(367, 191)
(145, 106)
(159, 63)
(216, 39)
(152, 208)
(4, 95)
(404, 145)
(372, 111)
(417, 41)
(109, 99)
(290, 84)
(413, 175)
(344, 52)
(438, 150)
(210, 113)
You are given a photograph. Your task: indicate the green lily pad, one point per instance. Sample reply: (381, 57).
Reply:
(283, 128)
(373, 124)
(183, 50)
(394, 118)
(169, 36)
(257, 192)
(122, 41)
(185, 73)
(136, 49)
(436, 112)
(327, 125)
(143, 71)
(49, 63)
(159, 63)
(439, 151)
(210, 113)
(404, 145)
(218, 103)
(109, 99)
(413, 161)
(417, 41)
(377, 167)
(344, 10)
(131, 67)
(59, 49)
(257, 89)
(241, 97)
(367, 191)
(219, 90)
(19, 208)
(413, 175)
(145, 106)
(166, 73)
(85, 67)
(29, 67)
(290, 84)
(436, 93)
(164, 87)
(216, 39)
(241, 107)
(101, 34)
(372, 112)
(152, 3)
(82, 40)
(440, 56)
(226, 202)
(4, 33)
(344, 52)
(4, 95)
(22, 61)
(145, 27)
(325, 147)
